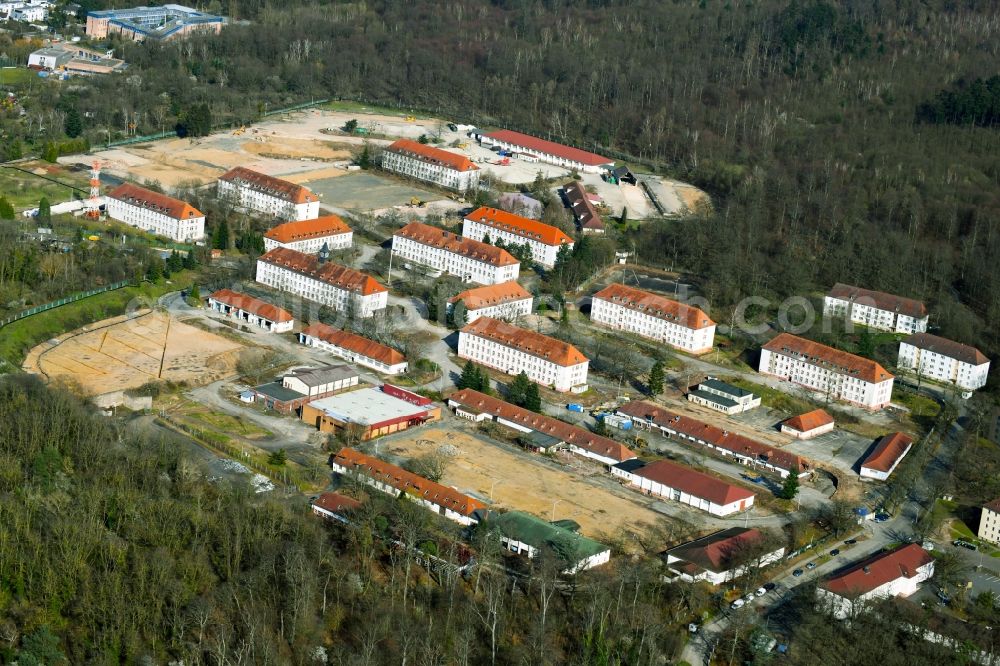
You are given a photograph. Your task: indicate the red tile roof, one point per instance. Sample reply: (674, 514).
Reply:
(879, 299)
(888, 451)
(341, 277)
(354, 343)
(161, 203)
(809, 421)
(993, 506)
(723, 439)
(582, 207)
(529, 342)
(252, 305)
(407, 482)
(276, 187)
(336, 503)
(876, 571)
(693, 482)
(828, 357)
(549, 147)
(946, 347)
(521, 226)
(718, 552)
(655, 305)
(446, 240)
(319, 227)
(491, 295)
(579, 437)
(432, 155)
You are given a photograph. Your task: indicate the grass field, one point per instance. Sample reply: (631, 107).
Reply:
(24, 190)
(772, 397)
(358, 107)
(16, 76)
(17, 338)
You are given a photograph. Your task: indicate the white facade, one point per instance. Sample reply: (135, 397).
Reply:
(843, 607)
(832, 380)
(293, 383)
(156, 221)
(251, 196)
(647, 323)
(651, 487)
(339, 241)
(545, 241)
(989, 523)
(395, 367)
(513, 361)
(865, 311)
(251, 318)
(529, 551)
(509, 311)
(30, 14)
(407, 161)
(941, 367)
(720, 577)
(533, 149)
(468, 268)
(285, 279)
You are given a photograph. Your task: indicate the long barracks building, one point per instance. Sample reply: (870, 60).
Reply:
(544, 240)
(268, 195)
(434, 165)
(446, 252)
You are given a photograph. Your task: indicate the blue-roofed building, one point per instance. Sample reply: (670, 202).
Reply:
(156, 23)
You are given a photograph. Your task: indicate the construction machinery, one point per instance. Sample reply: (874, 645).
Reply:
(504, 162)
(242, 129)
(411, 119)
(417, 201)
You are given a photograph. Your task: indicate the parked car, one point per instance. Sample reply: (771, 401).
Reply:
(835, 552)
(798, 572)
(693, 628)
(749, 597)
(882, 517)
(760, 592)
(964, 544)
(737, 604)
(851, 542)
(811, 565)
(769, 586)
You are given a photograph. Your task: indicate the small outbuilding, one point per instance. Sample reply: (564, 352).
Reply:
(808, 425)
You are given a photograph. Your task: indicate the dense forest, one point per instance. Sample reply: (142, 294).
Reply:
(810, 122)
(117, 547)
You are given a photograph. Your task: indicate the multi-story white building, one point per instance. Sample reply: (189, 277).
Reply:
(446, 252)
(835, 373)
(251, 311)
(944, 360)
(156, 213)
(31, 13)
(531, 147)
(507, 302)
(989, 522)
(546, 361)
(354, 348)
(876, 309)
(310, 236)
(544, 240)
(653, 316)
(896, 573)
(268, 195)
(308, 276)
(434, 165)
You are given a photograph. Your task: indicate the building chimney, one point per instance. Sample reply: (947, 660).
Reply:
(867, 570)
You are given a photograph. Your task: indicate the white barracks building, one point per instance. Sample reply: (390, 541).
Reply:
(446, 252)
(434, 165)
(267, 194)
(835, 373)
(310, 235)
(311, 278)
(543, 239)
(944, 360)
(876, 309)
(513, 350)
(506, 301)
(156, 213)
(655, 317)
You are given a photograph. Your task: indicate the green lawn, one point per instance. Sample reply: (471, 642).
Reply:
(772, 397)
(24, 190)
(358, 107)
(16, 76)
(18, 338)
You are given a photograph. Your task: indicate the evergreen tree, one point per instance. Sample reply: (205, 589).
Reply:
(601, 428)
(517, 390)
(155, 270)
(175, 263)
(656, 378)
(487, 239)
(6, 209)
(533, 398)
(277, 458)
(220, 238)
(73, 126)
(190, 262)
(623, 218)
(365, 158)
(350, 126)
(44, 211)
(469, 378)
(50, 153)
(459, 315)
(790, 488)
(483, 381)
(195, 296)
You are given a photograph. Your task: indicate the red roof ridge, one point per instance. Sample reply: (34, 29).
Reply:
(809, 421)
(945, 347)
(456, 243)
(140, 196)
(655, 305)
(693, 482)
(529, 342)
(852, 364)
(880, 299)
(355, 343)
(433, 155)
(874, 572)
(283, 189)
(318, 227)
(889, 449)
(549, 147)
(522, 226)
(492, 294)
(339, 276)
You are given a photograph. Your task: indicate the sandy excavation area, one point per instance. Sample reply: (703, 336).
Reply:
(520, 483)
(124, 352)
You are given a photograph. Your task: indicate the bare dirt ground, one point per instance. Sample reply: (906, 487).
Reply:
(518, 482)
(126, 352)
